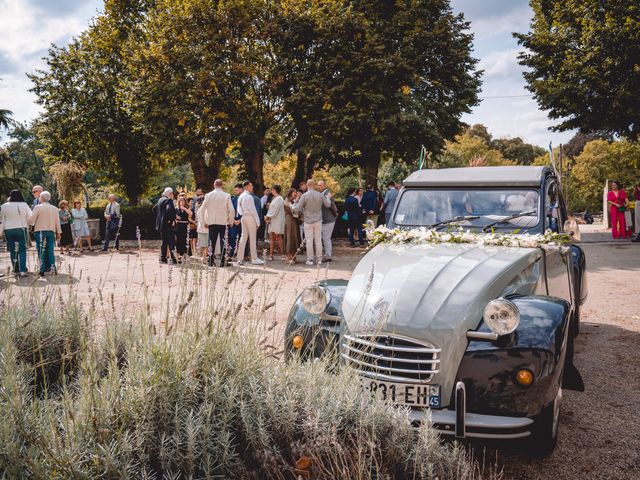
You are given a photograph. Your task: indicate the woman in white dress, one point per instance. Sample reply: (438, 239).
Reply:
(79, 226)
(275, 220)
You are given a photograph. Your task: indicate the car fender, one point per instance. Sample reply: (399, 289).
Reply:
(539, 344)
(321, 332)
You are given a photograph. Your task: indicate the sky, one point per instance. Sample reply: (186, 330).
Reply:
(29, 27)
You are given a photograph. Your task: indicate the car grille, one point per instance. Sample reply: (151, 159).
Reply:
(391, 358)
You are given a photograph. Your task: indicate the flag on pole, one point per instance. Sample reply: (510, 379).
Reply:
(422, 157)
(553, 161)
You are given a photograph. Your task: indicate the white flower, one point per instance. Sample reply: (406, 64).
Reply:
(424, 236)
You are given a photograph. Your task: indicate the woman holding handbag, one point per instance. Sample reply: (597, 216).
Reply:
(15, 216)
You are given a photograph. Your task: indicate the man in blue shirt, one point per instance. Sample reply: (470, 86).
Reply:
(390, 201)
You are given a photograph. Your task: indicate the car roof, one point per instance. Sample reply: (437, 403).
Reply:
(512, 176)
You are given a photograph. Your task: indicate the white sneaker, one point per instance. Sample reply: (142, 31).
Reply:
(309, 262)
(257, 261)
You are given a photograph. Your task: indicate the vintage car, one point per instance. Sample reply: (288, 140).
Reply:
(478, 338)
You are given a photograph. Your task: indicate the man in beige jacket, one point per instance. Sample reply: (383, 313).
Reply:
(217, 213)
(46, 228)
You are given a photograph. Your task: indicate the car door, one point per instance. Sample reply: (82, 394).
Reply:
(557, 262)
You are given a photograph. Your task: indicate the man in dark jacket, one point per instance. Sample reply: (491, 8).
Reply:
(369, 204)
(165, 212)
(236, 229)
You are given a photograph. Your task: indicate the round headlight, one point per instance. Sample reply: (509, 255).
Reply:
(314, 299)
(502, 316)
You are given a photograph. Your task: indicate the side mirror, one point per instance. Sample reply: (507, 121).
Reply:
(572, 229)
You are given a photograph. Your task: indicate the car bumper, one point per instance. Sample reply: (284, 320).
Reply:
(461, 424)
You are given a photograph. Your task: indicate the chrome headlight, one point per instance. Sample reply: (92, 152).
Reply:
(502, 316)
(315, 299)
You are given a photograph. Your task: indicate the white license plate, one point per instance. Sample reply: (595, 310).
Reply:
(404, 393)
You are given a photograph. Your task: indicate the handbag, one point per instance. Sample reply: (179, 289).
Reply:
(345, 217)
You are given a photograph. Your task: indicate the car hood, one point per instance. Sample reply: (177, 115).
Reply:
(430, 293)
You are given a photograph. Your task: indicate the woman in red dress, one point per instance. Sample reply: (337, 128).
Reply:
(617, 201)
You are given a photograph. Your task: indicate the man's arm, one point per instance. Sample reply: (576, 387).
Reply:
(326, 200)
(231, 213)
(204, 208)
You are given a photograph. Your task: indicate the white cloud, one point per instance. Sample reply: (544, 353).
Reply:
(507, 108)
(501, 65)
(28, 30)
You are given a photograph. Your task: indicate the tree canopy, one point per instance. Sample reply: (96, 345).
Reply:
(477, 147)
(157, 83)
(584, 64)
(86, 118)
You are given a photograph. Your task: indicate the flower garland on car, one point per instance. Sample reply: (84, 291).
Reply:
(422, 235)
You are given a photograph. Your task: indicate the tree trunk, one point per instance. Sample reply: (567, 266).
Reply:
(206, 172)
(301, 166)
(252, 150)
(305, 166)
(370, 166)
(131, 163)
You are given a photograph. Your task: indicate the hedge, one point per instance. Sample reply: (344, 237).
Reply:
(143, 217)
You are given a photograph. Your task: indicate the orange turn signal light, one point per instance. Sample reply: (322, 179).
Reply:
(297, 342)
(524, 377)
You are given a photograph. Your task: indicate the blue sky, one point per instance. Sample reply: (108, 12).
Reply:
(29, 27)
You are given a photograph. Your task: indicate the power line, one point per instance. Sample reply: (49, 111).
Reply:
(505, 96)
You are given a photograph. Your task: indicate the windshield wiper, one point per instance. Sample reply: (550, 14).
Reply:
(507, 219)
(454, 220)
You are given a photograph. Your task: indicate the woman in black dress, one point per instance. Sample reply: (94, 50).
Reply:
(66, 239)
(183, 214)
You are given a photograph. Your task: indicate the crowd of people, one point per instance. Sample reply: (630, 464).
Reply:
(227, 227)
(216, 226)
(223, 227)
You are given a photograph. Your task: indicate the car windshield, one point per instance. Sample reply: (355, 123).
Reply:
(507, 208)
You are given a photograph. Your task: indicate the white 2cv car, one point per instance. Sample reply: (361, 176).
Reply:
(478, 334)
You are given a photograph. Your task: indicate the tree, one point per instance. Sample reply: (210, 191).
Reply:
(582, 57)
(599, 161)
(516, 150)
(574, 147)
(5, 118)
(85, 117)
(205, 80)
(365, 78)
(470, 151)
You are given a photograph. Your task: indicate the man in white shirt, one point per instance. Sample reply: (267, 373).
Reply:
(250, 222)
(113, 222)
(217, 213)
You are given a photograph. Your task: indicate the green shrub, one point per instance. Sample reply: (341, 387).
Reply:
(193, 400)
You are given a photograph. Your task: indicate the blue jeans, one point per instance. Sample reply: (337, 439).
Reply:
(234, 236)
(45, 243)
(17, 246)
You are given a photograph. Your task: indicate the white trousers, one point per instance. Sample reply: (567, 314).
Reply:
(249, 233)
(327, 231)
(313, 236)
